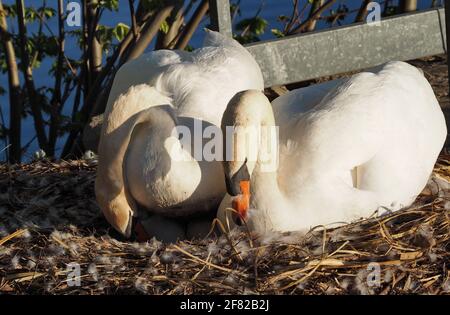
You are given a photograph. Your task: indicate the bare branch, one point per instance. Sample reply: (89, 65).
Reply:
(362, 11)
(408, 5)
(294, 16)
(312, 17)
(149, 31)
(94, 47)
(314, 7)
(175, 22)
(192, 25)
(15, 102)
(29, 81)
(57, 97)
(133, 18)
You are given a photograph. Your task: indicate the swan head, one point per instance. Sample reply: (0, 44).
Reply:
(243, 123)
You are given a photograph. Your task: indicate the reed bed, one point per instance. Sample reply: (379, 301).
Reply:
(49, 220)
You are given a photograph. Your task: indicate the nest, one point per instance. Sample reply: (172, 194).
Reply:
(54, 240)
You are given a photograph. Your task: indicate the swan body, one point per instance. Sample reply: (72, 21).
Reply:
(142, 163)
(345, 148)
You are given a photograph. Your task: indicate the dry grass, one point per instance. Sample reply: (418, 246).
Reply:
(48, 219)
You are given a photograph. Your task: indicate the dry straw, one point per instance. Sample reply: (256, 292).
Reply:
(49, 219)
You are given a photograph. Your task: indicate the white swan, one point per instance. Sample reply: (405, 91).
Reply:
(346, 147)
(149, 98)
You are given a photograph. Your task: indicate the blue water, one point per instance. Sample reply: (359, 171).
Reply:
(269, 10)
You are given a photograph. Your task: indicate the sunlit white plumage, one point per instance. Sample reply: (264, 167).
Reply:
(346, 148)
(150, 96)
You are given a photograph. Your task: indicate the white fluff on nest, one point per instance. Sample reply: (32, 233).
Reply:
(439, 186)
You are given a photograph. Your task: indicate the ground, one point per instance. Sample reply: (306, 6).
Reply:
(54, 240)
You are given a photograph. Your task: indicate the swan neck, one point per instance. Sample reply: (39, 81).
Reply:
(127, 112)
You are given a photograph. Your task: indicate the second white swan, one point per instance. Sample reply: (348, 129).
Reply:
(345, 148)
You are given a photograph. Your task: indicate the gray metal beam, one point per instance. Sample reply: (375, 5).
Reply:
(220, 16)
(307, 56)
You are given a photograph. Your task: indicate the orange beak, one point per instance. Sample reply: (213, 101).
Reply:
(241, 203)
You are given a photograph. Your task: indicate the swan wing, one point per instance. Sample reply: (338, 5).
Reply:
(143, 70)
(202, 87)
(200, 82)
(290, 111)
(390, 112)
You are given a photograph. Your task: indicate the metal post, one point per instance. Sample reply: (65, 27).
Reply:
(219, 11)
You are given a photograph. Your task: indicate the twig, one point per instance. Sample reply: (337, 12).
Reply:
(208, 263)
(133, 19)
(28, 75)
(312, 17)
(11, 236)
(192, 25)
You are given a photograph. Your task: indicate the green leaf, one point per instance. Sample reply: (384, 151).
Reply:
(164, 27)
(31, 15)
(47, 12)
(277, 32)
(11, 10)
(78, 34)
(255, 25)
(249, 38)
(189, 48)
(104, 35)
(3, 65)
(120, 31)
(283, 18)
(111, 5)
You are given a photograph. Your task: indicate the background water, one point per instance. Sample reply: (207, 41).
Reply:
(269, 10)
